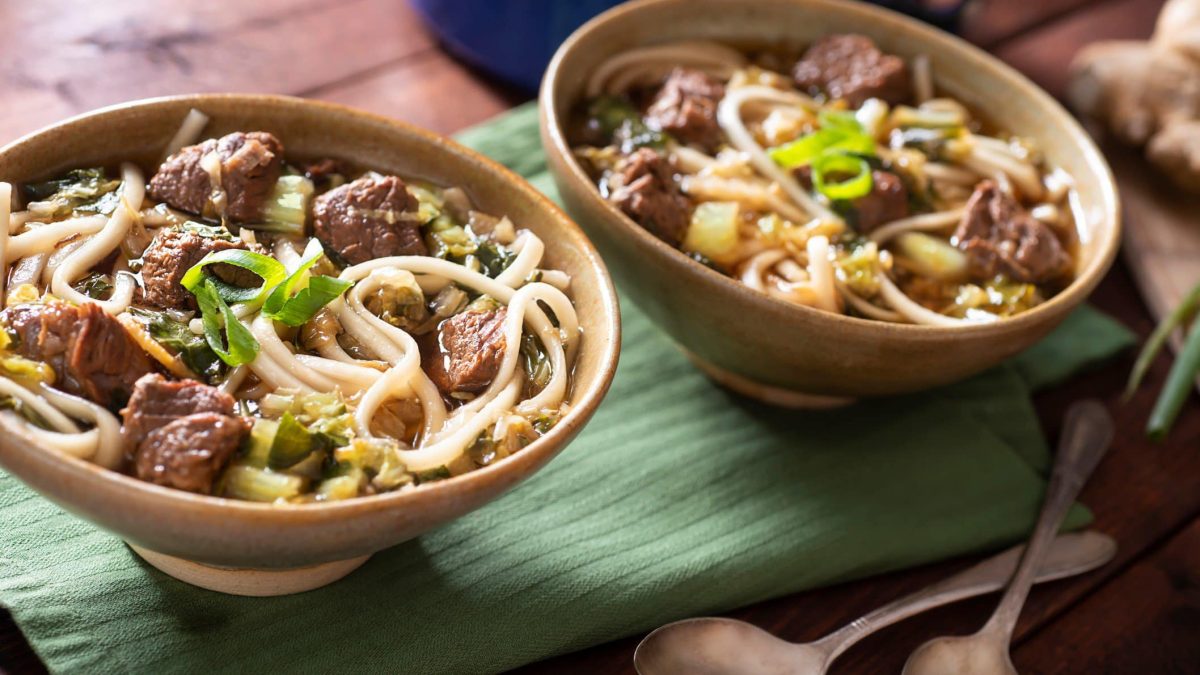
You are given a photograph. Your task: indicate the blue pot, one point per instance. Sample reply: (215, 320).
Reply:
(511, 39)
(514, 40)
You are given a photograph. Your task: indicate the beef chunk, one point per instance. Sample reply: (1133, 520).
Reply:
(91, 353)
(172, 254)
(852, 67)
(887, 200)
(648, 194)
(250, 165)
(157, 401)
(999, 237)
(686, 107)
(323, 170)
(365, 219)
(189, 453)
(469, 349)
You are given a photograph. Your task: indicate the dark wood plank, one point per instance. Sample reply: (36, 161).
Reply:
(990, 23)
(68, 56)
(430, 90)
(1044, 52)
(1154, 625)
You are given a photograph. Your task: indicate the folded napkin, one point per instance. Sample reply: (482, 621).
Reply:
(678, 499)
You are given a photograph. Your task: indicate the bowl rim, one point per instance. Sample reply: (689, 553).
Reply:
(583, 404)
(1080, 287)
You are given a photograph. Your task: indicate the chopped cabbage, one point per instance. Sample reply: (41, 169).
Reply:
(713, 231)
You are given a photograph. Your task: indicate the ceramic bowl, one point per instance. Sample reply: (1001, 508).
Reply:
(786, 353)
(296, 547)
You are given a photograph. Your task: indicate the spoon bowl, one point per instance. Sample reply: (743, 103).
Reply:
(983, 652)
(721, 646)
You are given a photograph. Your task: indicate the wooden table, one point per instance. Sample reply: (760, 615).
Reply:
(1139, 614)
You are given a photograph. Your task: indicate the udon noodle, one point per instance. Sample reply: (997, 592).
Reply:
(257, 329)
(839, 179)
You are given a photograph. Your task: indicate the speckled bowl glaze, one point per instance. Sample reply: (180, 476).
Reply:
(765, 347)
(296, 547)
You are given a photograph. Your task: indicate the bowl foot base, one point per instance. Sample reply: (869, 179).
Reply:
(777, 396)
(247, 581)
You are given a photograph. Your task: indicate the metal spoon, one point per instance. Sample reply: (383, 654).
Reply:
(728, 646)
(1085, 439)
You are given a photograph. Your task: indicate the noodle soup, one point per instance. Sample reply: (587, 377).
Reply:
(255, 326)
(835, 178)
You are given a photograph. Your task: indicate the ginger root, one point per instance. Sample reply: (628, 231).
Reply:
(1148, 93)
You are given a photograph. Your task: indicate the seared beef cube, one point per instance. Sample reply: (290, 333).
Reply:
(851, 67)
(368, 219)
(999, 237)
(323, 170)
(647, 193)
(172, 254)
(468, 352)
(189, 453)
(887, 200)
(686, 107)
(250, 165)
(157, 401)
(91, 353)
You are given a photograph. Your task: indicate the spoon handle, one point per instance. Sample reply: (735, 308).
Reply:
(1087, 432)
(1069, 554)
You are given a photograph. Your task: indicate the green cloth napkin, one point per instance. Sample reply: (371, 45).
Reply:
(678, 499)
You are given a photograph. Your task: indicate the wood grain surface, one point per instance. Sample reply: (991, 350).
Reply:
(1139, 614)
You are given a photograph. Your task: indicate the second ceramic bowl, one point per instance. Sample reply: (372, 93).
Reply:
(785, 353)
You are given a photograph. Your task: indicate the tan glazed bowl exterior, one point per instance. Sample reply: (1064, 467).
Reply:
(747, 339)
(242, 534)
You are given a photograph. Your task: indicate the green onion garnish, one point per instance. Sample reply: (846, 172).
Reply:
(269, 269)
(828, 167)
(215, 315)
(840, 133)
(301, 295)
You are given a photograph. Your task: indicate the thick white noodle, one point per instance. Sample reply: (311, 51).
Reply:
(754, 193)
(630, 67)
(234, 382)
(45, 238)
(925, 222)
(756, 268)
(866, 307)
(60, 254)
(529, 250)
(446, 436)
(350, 377)
(189, 131)
(28, 270)
(6, 193)
(108, 448)
(42, 407)
(729, 115)
(101, 444)
(820, 270)
(275, 363)
(915, 312)
(690, 160)
(990, 162)
(948, 173)
(101, 245)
